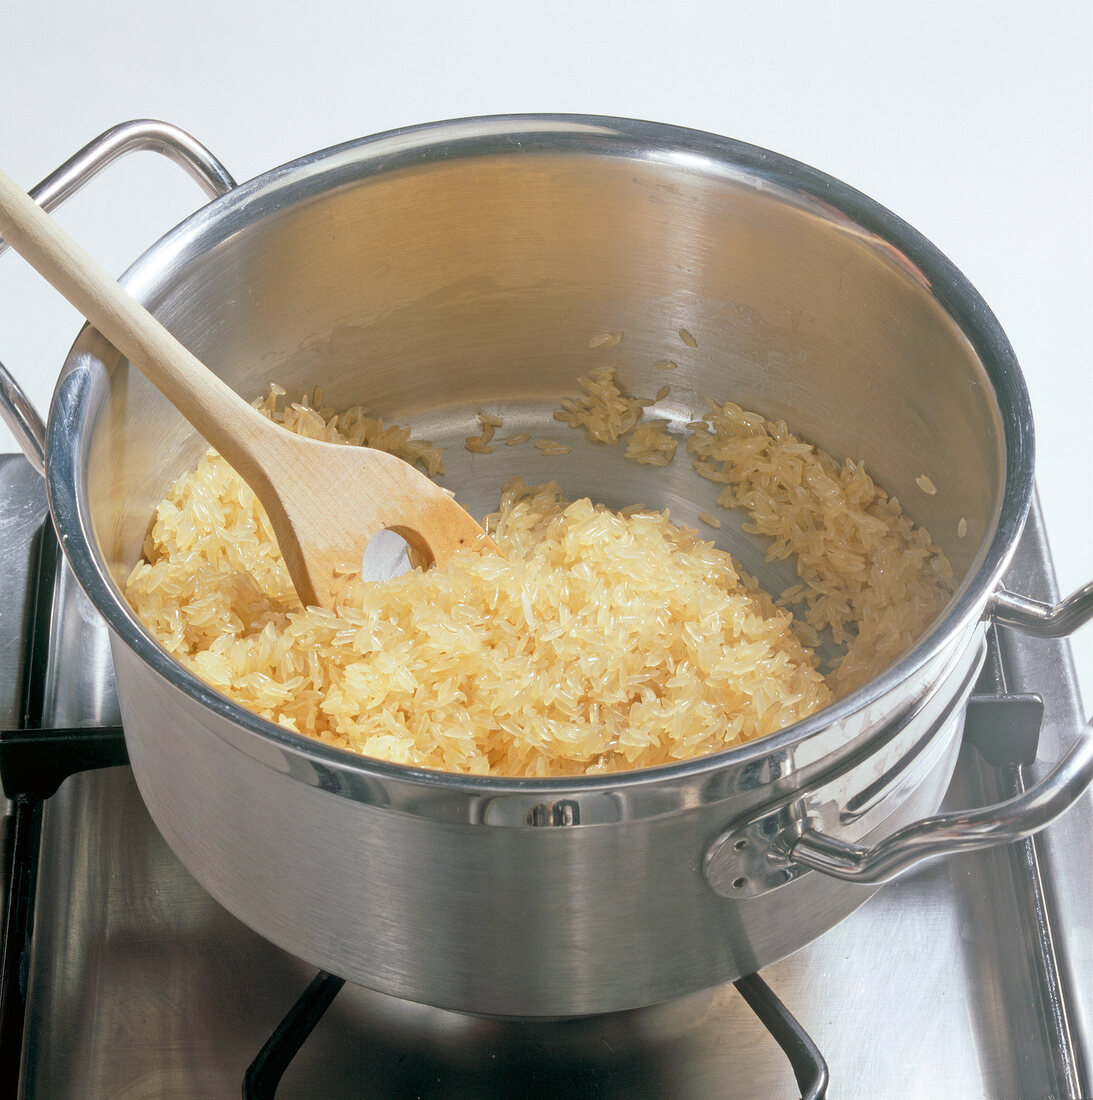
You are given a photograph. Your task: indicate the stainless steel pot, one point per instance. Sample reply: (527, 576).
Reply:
(437, 271)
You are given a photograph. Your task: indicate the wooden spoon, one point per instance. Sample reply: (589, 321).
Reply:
(325, 501)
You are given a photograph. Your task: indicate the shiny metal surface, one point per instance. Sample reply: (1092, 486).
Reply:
(572, 919)
(435, 271)
(759, 854)
(141, 985)
(143, 134)
(1044, 620)
(24, 421)
(950, 834)
(22, 510)
(1062, 852)
(1022, 815)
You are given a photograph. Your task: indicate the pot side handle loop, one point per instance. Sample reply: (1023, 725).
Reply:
(949, 834)
(138, 135)
(23, 419)
(1043, 620)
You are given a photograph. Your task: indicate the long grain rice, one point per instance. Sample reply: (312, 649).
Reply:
(601, 641)
(651, 443)
(870, 576)
(604, 411)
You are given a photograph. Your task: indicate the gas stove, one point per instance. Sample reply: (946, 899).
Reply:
(972, 977)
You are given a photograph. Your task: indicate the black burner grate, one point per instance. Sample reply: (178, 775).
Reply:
(264, 1074)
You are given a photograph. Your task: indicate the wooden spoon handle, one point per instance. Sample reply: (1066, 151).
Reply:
(322, 501)
(213, 408)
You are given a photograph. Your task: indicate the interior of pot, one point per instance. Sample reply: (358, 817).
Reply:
(433, 288)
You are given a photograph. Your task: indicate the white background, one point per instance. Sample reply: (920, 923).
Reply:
(973, 121)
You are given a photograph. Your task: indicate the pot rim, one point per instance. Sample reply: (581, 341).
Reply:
(81, 386)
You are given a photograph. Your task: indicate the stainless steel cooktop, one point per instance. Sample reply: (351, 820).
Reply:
(971, 978)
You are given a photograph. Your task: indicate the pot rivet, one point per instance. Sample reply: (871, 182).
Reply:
(739, 883)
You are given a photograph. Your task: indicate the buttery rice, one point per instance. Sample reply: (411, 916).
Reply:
(868, 574)
(600, 642)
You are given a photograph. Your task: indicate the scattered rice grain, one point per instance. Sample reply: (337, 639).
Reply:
(604, 411)
(352, 426)
(479, 444)
(551, 447)
(651, 444)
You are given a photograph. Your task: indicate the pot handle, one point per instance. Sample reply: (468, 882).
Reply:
(949, 834)
(23, 419)
(1043, 620)
(138, 135)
